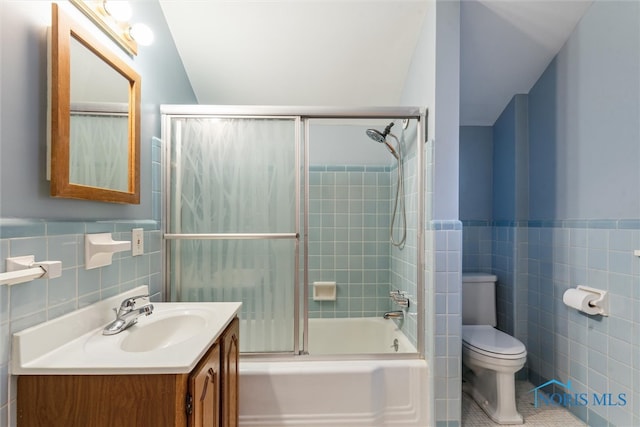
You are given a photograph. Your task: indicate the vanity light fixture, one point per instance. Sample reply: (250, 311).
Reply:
(119, 10)
(141, 33)
(112, 16)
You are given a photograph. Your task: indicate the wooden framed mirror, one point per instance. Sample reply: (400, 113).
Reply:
(94, 118)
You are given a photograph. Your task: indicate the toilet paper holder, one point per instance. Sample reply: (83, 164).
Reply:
(601, 303)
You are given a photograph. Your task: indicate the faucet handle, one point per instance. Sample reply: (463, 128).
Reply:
(130, 302)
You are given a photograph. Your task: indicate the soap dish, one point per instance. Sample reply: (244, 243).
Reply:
(324, 291)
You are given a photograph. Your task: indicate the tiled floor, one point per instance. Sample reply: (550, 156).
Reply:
(548, 416)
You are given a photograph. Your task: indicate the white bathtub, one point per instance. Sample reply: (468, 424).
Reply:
(340, 393)
(362, 335)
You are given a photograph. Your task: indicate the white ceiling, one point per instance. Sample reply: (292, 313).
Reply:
(357, 52)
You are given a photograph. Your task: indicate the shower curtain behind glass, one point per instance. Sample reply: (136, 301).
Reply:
(233, 226)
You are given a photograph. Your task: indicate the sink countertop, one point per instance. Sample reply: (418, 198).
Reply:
(74, 345)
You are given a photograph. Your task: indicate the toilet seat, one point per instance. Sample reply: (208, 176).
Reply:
(490, 342)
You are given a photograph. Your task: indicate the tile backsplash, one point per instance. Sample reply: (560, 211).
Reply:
(27, 304)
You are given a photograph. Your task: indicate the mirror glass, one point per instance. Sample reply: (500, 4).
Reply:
(99, 128)
(94, 118)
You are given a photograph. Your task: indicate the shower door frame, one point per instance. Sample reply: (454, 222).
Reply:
(301, 115)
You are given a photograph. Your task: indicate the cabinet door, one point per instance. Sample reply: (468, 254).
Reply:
(230, 359)
(204, 391)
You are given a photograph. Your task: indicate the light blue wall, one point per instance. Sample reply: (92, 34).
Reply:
(476, 172)
(31, 222)
(510, 157)
(583, 161)
(504, 167)
(543, 115)
(584, 129)
(337, 144)
(24, 190)
(447, 110)
(433, 81)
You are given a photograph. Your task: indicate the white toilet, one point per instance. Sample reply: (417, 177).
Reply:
(491, 356)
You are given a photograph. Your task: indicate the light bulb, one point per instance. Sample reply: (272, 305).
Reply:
(141, 33)
(120, 10)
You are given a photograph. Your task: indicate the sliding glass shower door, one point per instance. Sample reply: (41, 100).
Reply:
(233, 222)
(260, 203)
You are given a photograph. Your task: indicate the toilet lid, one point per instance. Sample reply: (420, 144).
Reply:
(488, 340)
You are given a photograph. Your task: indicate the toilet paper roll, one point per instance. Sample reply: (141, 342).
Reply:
(581, 300)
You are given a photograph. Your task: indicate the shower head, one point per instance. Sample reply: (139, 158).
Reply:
(376, 135)
(381, 137)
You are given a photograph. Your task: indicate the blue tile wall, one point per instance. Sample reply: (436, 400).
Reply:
(349, 216)
(350, 210)
(445, 238)
(442, 301)
(503, 262)
(27, 304)
(597, 354)
(536, 262)
(477, 246)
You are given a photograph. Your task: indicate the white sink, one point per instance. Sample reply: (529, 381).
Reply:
(170, 340)
(161, 332)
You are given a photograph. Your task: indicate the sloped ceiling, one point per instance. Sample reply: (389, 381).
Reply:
(296, 52)
(505, 46)
(357, 52)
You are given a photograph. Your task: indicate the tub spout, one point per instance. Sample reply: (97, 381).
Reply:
(397, 314)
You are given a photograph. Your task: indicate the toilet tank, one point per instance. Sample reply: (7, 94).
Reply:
(479, 299)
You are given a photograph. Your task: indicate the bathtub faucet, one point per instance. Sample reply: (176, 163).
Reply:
(400, 298)
(397, 314)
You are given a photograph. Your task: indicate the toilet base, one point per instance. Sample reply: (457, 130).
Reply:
(494, 392)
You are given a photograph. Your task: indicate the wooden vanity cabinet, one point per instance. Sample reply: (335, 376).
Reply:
(205, 397)
(230, 378)
(212, 399)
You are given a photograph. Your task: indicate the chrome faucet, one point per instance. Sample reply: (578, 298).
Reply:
(400, 298)
(127, 315)
(397, 314)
